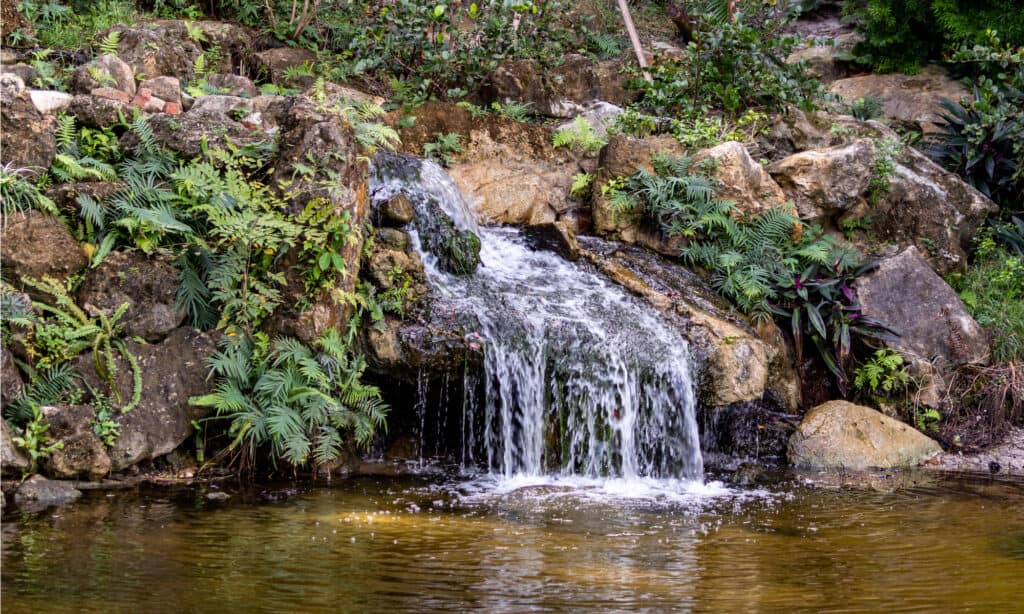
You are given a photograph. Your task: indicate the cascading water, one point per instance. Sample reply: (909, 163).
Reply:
(580, 378)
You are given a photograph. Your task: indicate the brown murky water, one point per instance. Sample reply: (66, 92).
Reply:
(419, 544)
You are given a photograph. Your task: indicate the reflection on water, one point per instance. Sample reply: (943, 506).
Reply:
(418, 544)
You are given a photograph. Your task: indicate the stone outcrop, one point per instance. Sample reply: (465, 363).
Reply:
(37, 245)
(37, 493)
(826, 182)
(741, 179)
(105, 71)
(560, 91)
(172, 371)
(159, 48)
(843, 436)
(932, 321)
(30, 140)
(82, 454)
(273, 64)
(912, 100)
(146, 284)
(828, 62)
(12, 461)
(11, 383)
(215, 120)
(100, 109)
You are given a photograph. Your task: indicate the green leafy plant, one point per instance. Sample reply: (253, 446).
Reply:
(883, 373)
(582, 184)
(887, 152)
(579, 137)
(109, 44)
(18, 195)
(444, 148)
(867, 107)
(104, 426)
(293, 400)
(34, 440)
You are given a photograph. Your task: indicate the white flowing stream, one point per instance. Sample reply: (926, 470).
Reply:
(581, 379)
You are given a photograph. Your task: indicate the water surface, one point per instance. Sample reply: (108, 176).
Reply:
(422, 544)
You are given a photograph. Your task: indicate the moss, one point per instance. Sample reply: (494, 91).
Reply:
(457, 251)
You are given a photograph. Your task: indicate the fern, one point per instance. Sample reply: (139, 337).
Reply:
(110, 43)
(580, 137)
(18, 195)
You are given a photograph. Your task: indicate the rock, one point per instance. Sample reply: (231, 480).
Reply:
(912, 100)
(841, 435)
(102, 110)
(146, 284)
(217, 496)
(105, 71)
(830, 61)
(232, 85)
(11, 384)
(348, 94)
(37, 493)
(340, 181)
(933, 323)
(621, 157)
(741, 179)
(30, 137)
(83, 454)
(599, 114)
(26, 73)
(12, 461)
(930, 207)
(66, 195)
(825, 182)
(796, 130)
(272, 65)
(50, 102)
(556, 237)
(38, 245)
(11, 19)
(397, 211)
(563, 90)
(159, 48)
(165, 88)
(502, 192)
(172, 371)
(213, 120)
(234, 41)
(734, 361)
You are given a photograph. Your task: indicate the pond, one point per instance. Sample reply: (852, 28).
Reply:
(436, 543)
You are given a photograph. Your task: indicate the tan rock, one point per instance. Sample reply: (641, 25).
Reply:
(841, 435)
(910, 99)
(741, 179)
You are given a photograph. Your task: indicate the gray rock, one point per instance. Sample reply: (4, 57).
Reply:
(741, 179)
(564, 90)
(273, 63)
(912, 100)
(843, 436)
(37, 493)
(50, 102)
(23, 71)
(233, 85)
(104, 71)
(146, 284)
(99, 112)
(30, 137)
(38, 245)
(213, 120)
(83, 454)
(599, 115)
(933, 323)
(165, 88)
(160, 48)
(172, 371)
(397, 211)
(12, 461)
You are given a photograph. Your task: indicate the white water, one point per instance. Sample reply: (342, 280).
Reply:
(582, 381)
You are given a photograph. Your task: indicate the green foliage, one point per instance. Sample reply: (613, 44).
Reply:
(887, 152)
(34, 440)
(767, 264)
(982, 138)
(443, 148)
(293, 400)
(76, 26)
(18, 195)
(517, 111)
(901, 35)
(324, 239)
(868, 107)
(579, 137)
(582, 184)
(993, 290)
(104, 426)
(66, 331)
(732, 65)
(882, 374)
(110, 42)
(457, 251)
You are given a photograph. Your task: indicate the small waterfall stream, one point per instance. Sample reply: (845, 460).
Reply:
(580, 378)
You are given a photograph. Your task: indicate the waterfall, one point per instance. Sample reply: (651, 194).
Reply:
(580, 378)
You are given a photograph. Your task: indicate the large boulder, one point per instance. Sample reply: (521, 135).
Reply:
(104, 71)
(37, 245)
(37, 493)
(933, 323)
(741, 179)
(824, 182)
(82, 454)
(172, 371)
(623, 156)
(560, 91)
(830, 61)
(274, 64)
(796, 130)
(30, 137)
(912, 100)
(155, 49)
(148, 286)
(100, 110)
(843, 436)
(12, 461)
